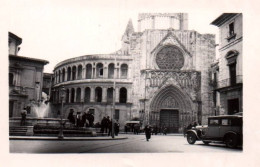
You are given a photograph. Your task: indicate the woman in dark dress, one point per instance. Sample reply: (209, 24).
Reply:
(147, 131)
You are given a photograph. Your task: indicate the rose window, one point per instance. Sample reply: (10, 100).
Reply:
(170, 58)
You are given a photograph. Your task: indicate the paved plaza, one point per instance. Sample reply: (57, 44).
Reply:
(133, 144)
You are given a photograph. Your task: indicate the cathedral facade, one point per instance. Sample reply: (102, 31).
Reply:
(161, 75)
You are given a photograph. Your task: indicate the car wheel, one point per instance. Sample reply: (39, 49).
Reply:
(231, 141)
(191, 138)
(206, 142)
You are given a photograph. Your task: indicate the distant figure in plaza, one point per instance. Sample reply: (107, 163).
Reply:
(78, 120)
(116, 126)
(155, 130)
(23, 117)
(109, 127)
(165, 131)
(71, 117)
(90, 118)
(83, 120)
(194, 124)
(103, 125)
(137, 128)
(189, 127)
(184, 131)
(126, 129)
(107, 122)
(147, 131)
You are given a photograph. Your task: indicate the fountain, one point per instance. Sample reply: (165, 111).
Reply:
(41, 121)
(42, 109)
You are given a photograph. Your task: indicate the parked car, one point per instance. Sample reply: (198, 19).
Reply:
(225, 128)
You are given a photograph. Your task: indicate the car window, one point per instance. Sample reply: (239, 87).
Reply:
(213, 122)
(225, 121)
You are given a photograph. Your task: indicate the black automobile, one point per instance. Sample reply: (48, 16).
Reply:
(225, 128)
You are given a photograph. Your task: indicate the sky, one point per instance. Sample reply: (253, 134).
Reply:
(57, 30)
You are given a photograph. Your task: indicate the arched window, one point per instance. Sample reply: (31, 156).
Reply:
(56, 76)
(79, 72)
(123, 95)
(110, 95)
(69, 74)
(88, 71)
(78, 95)
(98, 94)
(63, 75)
(124, 70)
(72, 95)
(111, 69)
(99, 71)
(59, 76)
(231, 62)
(67, 95)
(74, 73)
(87, 95)
(11, 79)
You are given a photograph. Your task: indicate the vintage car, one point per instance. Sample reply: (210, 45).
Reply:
(225, 128)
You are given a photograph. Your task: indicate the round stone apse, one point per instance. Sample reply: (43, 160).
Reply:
(170, 58)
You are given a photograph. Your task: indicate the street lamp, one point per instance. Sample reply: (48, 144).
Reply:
(62, 91)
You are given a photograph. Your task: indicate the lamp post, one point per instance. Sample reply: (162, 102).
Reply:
(63, 91)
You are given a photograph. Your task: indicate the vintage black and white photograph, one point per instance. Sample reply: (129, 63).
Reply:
(106, 77)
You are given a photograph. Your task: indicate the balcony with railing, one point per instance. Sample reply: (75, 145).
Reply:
(228, 82)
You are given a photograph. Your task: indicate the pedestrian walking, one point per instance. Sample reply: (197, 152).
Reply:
(165, 131)
(147, 131)
(23, 117)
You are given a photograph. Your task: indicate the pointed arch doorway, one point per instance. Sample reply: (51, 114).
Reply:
(170, 104)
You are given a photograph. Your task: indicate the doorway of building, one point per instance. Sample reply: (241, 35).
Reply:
(233, 106)
(170, 118)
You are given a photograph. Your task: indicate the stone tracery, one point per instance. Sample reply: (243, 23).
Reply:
(170, 57)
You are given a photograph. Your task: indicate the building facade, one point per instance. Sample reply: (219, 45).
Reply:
(161, 74)
(227, 75)
(25, 79)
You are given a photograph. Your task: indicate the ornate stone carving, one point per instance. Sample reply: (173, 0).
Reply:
(170, 57)
(185, 79)
(169, 102)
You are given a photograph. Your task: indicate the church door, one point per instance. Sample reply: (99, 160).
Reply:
(170, 118)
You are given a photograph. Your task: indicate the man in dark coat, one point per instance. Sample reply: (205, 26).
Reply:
(147, 131)
(90, 118)
(83, 119)
(107, 122)
(116, 126)
(103, 124)
(109, 127)
(71, 117)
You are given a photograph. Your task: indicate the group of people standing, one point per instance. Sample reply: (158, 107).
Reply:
(106, 126)
(85, 120)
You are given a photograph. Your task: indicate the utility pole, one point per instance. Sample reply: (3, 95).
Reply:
(114, 99)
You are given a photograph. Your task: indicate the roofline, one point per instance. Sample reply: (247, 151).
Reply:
(29, 58)
(12, 35)
(224, 17)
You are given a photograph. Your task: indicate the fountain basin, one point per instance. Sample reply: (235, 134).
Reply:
(30, 121)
